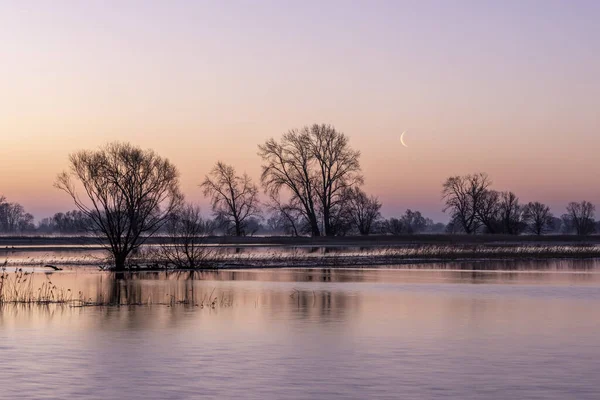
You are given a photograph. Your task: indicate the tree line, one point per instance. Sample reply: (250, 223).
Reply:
(475, 207)
(13, 217)
(313, 183)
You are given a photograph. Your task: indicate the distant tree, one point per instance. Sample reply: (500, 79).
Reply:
(71, 222)
(538, 218)
(463, 196)
(409, 223)
(273, 224)
(46, 225)
(454, 226)
(234, 198)
(25, 223)
(580, 217)
(186, 232)
(363, 211)
(129, 194)
(566, 224)
(511, 214)
(488, 211)
(314, 165)
(13, 214)
(393, 226)
(434, 227)
(254, 226)
(413, 222)
(287, 217)
(3, 213)
(13, 217)
(557, 225)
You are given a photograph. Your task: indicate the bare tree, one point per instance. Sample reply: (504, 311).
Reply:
(186, 232)
(71, 221)
(13, 217)
(538, 217)
(409, 223)
(129, 194)
(363, 211)
(413, 222)
(393, 226)
(13, 214)
(488, 211)
(3, 213)
(463, 196)
(580, 217)
(315, 165)
(287, 217)
(234, 198)
(511, 214)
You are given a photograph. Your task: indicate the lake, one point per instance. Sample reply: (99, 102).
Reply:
(466, 331)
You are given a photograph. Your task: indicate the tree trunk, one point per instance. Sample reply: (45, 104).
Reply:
(314, 226)
(120, 259)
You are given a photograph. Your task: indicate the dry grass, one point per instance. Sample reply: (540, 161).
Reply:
(408, 254)
(340, 256)
(18, 288)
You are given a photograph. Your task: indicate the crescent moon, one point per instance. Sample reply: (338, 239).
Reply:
(402, 139)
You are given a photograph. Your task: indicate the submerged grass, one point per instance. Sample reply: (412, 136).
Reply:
(18, 288)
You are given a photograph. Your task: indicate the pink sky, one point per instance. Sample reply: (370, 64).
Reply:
(510, 88)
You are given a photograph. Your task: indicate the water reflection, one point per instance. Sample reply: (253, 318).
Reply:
(527, 331)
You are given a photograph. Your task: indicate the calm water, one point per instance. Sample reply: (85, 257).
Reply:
(319, 333)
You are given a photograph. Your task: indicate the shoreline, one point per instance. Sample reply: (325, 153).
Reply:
(85, 242)
(318, 261)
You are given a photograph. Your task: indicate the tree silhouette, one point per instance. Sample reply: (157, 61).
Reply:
(315, 165)
(363, 211)
(234, 199)
(129, 193)
(464, 197)
(580, 217)
(538, 217)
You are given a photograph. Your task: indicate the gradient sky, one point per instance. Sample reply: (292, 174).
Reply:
(511, 88)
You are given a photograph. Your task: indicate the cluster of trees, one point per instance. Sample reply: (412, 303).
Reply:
(409, 223)
(13, 218)
(313, 180)
(69, 222)
(477, 208)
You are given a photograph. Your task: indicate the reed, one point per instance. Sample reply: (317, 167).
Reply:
(18, 288)
(331, 257)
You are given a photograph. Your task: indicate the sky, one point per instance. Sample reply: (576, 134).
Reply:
(511, 88)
